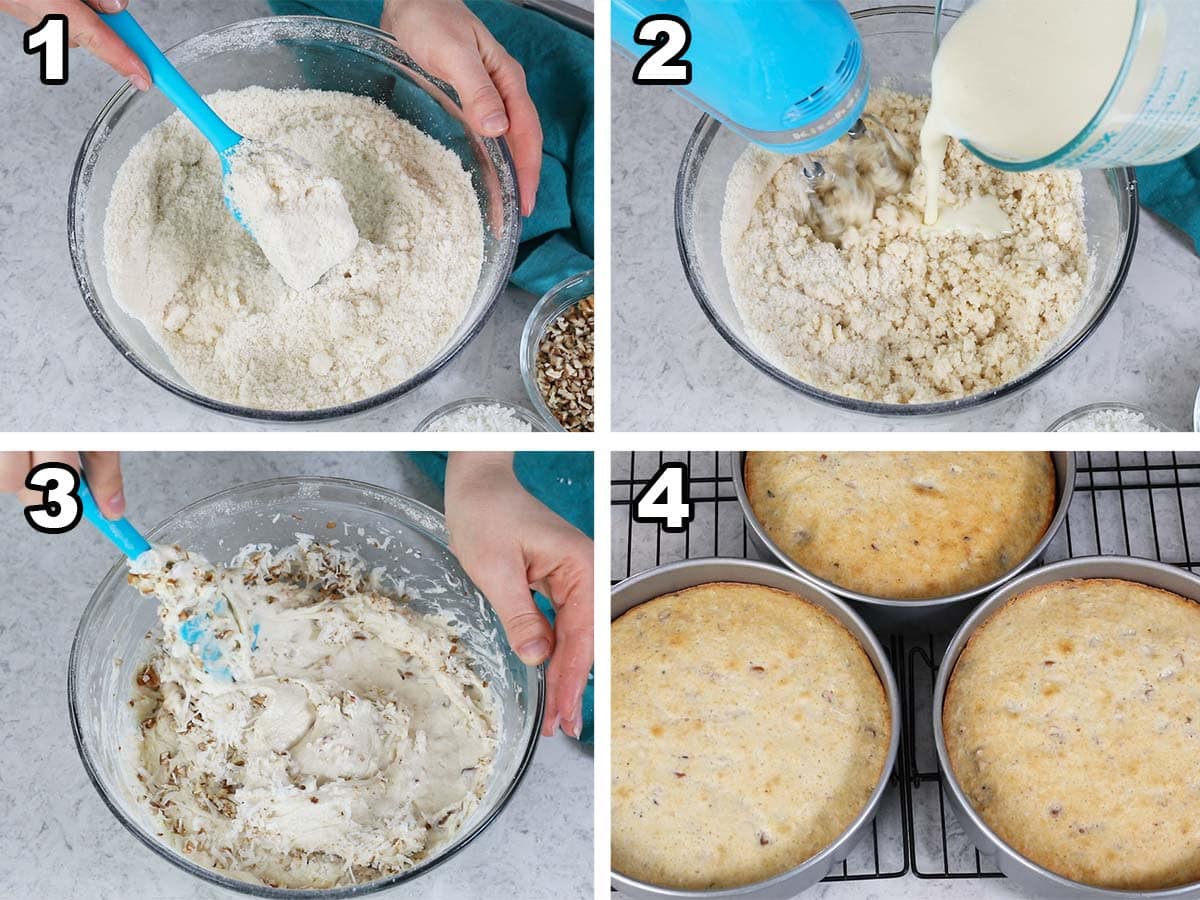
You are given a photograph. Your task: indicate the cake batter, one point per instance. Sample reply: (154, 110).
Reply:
(300, 726)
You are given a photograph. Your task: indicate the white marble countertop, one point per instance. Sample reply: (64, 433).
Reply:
(1144, 353)
(57, 356)
(58, 839)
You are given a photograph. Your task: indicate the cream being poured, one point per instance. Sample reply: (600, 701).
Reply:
(1020, 79)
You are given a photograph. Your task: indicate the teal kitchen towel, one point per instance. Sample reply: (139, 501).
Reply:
(1172, 191)
(557, 240)
(564, 482)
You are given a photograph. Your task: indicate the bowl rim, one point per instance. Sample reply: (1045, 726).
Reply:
(507, 244)
(523, 413)
(559, 298)
(1124, 182)
(744, 571)
(1029, 874)
(1099, 406)
(1065, 469)
(212, 875)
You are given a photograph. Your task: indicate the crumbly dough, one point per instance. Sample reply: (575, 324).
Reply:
(298, 216)
(750, 729)
(233, 329)
(331, 736)
(904, 526)
(899, 312)
(1072, 721)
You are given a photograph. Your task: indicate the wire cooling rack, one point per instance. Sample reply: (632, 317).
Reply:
(1129, 504)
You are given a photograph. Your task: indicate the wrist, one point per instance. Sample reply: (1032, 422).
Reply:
(468, 470)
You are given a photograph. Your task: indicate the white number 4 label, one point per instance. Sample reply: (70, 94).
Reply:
(49, 38)
(665, 500)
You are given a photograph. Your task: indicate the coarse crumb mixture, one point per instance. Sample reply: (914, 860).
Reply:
(231, 326)
(332, 736)
(899, 312)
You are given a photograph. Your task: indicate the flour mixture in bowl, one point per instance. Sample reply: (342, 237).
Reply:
(330, 737)
(891, 310)
(230, 324)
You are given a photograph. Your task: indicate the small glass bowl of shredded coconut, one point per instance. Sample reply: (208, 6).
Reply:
(1110, 416)
(478, 414)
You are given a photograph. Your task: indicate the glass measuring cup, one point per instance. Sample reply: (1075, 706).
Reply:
(1151, 113)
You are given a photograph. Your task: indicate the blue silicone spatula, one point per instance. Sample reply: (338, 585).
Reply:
(176, 88)
(195, 631)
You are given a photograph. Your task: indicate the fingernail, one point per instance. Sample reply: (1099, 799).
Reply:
(534, 652)
(496, 122)
(116, 505)
(140, 81)
(577, 726)
(111, 6)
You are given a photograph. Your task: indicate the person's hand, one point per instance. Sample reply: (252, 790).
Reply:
(103, 470)
(87, 30)
(508, 542)
(446, 39)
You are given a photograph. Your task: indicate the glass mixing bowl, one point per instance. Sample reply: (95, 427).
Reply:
(288, 52)
(407, 538)
(898, 42)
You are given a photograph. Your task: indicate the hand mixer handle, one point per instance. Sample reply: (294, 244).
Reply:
(127, 538)
(168, 80)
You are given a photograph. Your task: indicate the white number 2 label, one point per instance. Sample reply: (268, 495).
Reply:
(60, 508)
(670, 38)
(665, 500)
(49, 38)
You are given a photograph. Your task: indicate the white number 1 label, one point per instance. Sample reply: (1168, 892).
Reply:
(665, 500)
(49, 39)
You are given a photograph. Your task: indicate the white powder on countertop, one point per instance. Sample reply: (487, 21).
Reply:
(1110, 419)
(297, 215)
(897, 312)
(480, 417)
(233, 329)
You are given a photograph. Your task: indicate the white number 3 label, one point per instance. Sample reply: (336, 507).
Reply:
(49, 38)
(665, 500)
(60, 508)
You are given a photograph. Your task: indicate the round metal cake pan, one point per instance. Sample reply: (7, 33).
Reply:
(1039, 881)
(942, 614)
(678, 576)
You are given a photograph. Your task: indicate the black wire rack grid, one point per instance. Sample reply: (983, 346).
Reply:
(1129, 504)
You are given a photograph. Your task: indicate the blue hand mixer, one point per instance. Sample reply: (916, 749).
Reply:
(789, 75)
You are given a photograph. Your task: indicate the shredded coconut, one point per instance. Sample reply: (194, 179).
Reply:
(480, 417)
(231, 326)
(897, 312)
(1109, 419)
(298, 216)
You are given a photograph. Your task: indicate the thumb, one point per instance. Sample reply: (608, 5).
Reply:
(104, 478)
(528, 632)
(482, 103)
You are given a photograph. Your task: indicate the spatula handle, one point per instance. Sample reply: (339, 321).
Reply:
(127, 538)
(168, 80)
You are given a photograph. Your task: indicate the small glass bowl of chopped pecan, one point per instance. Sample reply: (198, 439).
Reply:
(558, 353)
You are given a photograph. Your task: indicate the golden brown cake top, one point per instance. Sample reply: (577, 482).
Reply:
(1072, 722)
(749, 730)
(904, 526)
